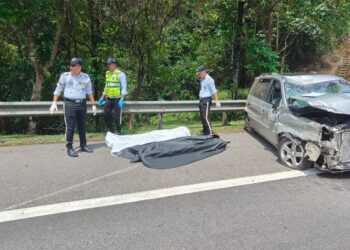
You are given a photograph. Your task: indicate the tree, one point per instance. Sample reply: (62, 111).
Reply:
(32, 31)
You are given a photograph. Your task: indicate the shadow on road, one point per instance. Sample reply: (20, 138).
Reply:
(345, 175)
(267, 146)
(93, 146)
(98, 145)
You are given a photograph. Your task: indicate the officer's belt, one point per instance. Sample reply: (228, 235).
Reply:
(203, 98)
(75, 100)
(108, 97)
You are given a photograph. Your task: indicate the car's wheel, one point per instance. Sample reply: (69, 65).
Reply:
(292, 154)
(247, 126)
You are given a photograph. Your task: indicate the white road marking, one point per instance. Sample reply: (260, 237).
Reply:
(65, 207)
(73, 187)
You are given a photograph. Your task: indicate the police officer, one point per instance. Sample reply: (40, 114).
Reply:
(113, 96)
(75, 85)
(205, 99)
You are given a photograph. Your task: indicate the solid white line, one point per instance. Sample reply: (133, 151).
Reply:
(65, 207)
(73, 187)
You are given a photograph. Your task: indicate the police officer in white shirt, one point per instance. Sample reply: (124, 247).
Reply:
(205, 99)
(75, 85)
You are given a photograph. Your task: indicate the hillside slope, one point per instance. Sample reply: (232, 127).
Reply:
(335, 62)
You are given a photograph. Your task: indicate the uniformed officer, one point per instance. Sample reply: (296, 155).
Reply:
(205, 99)
(113, 96)
(75, 85)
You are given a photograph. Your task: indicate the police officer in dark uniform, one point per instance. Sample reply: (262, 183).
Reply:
(113, 96)
(75, 85)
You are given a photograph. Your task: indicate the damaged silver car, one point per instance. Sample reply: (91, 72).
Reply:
(305, 116)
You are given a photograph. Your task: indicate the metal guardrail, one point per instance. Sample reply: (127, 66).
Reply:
(16, 109)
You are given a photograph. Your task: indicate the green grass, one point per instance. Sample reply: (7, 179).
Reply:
(170, 121)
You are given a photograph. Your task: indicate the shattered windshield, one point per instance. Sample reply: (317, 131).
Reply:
(316, 89)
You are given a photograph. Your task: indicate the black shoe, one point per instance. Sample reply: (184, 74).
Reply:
(86, 149)
(71, 152)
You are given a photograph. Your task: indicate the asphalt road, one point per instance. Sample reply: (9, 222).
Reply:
(299, 213)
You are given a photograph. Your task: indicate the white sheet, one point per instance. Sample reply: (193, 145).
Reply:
(118, 142)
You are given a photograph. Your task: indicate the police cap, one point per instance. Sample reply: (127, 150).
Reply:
(111, 61)
(76, 60)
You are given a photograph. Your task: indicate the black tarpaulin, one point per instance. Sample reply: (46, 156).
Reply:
(175, 152)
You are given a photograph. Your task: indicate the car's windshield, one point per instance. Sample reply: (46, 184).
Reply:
(316, 89)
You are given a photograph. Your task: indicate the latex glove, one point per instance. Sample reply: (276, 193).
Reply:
(121, 103)
(53, 107)
(217, 104)
(94, 110)
(101, 102)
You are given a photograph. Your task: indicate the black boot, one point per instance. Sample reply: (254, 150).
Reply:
(71, 152)
(86, 149)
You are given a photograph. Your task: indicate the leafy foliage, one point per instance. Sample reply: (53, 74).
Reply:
(159, 44)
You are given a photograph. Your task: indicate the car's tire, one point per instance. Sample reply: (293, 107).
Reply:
(292, 154)
(247, 126)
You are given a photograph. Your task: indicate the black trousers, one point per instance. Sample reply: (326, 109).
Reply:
(75, 113)
(112, 110)
(204, 109)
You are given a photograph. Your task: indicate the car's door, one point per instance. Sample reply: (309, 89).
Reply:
(255, 103)
(270, 109)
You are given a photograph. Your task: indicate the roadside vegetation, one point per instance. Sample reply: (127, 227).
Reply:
(169, 121)
(159, 45)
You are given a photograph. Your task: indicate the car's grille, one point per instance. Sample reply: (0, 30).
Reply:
(344, 147)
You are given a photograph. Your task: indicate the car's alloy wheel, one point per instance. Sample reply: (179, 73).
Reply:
(292, 154)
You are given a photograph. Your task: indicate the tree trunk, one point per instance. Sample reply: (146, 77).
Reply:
(269, 30)
(277, 32)
(140, 77)
(39, 77)
(94, 37)
(39, 74)
(283, 61)
(41, 69)
(238, 45)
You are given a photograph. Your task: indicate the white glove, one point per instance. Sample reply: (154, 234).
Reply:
(94, 110)
(217, 104)
(53, 107)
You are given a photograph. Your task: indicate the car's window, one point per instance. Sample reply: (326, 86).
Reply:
(316, 89)
(261, 89)
(275, 93)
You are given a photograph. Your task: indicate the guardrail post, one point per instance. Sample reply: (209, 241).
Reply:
(224, 121)
(31, 126)
(160, 120)
(130, 123)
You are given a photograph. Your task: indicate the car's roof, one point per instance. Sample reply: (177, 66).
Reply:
(305, 78)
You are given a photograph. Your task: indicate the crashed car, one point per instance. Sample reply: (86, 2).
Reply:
(305, 116)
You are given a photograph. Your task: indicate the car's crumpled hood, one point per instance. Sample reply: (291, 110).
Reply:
(333, 103)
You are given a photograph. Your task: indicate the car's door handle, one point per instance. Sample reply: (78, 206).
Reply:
(248, 103)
